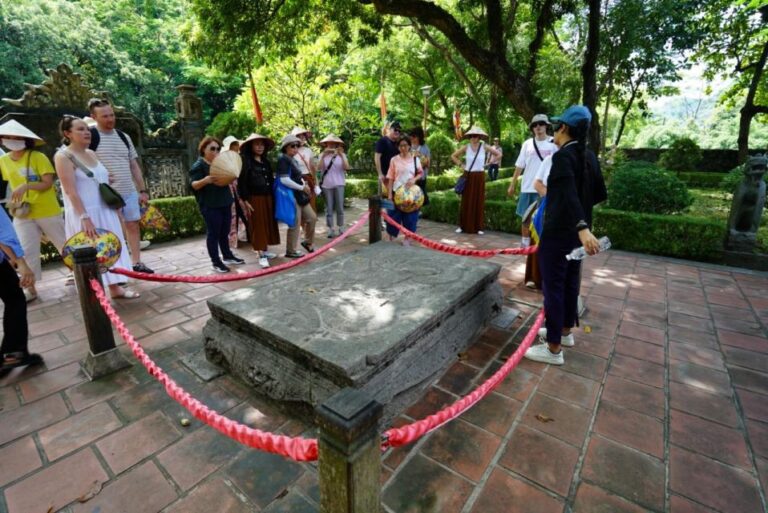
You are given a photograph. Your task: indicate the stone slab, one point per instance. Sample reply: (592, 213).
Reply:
(505, 319)
(203, 369)
(386, 319)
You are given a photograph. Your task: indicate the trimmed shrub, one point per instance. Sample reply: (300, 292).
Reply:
(442, 147)
(642, 187)
(702, 180)
(440, 183)
(683, 155)
(497, 190)
(183, 215)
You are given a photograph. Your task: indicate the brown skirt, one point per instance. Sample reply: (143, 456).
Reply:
(263, 225)
(472, 212)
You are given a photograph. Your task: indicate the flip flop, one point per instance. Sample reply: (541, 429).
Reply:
(306, 246)
(128, 294)
(13, 360)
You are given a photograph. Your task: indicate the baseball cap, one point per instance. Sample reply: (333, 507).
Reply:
(574, 115)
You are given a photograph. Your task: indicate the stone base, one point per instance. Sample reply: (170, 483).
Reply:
(749, 260)
(384, 319)
(97, 365)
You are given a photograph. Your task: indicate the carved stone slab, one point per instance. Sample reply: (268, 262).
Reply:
(385, 319)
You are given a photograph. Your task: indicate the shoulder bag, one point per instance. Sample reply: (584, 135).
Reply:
(111, 197)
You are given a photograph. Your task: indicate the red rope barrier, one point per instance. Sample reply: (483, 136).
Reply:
(446, 248)
(243, 276)
(298, 449)
(406, 434)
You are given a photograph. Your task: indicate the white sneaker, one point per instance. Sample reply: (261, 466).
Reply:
(263, 262)
(144, 244)
(268, 254)
(480, 232)
(459, 230)
(541, 353)
(565, 340)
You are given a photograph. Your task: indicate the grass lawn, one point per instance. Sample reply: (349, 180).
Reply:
(716, 204)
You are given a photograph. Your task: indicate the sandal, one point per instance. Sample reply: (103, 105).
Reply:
(20, 359)
(306, 245)
(128, 294)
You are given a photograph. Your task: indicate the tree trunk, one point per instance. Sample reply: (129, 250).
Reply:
(494, 125)
(622, 124)
(749, 109)
(589, 72)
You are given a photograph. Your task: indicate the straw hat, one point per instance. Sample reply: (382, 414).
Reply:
(297, 131)
(476, 130)
(227, 165)
(331, 138)
(289, 139)
(268, 143)
(16, 129)
(228, 140)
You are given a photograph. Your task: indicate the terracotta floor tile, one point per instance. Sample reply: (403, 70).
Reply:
(640, 350)
(463, 448)
(625, 472)
(678, 504)
(694, 309)
(749, 379)
(722, 487)
(627, 427)
(31, 417)
(743, 358)
(635, 396)
(755, 405)
(690, 321)
(707, 379)
(52, 381)
(423, 485)
(758, 436)
(701, 403)
(505, 494)
(18, 458)
(8, 399)
(458, 378)
(275, 473)
(433, 401)
(708, 438)
(593, 499)
(697, 355)
(586, 365)
(57, 485)
(743, 341)
(213, 495)
(78, 430)
(518, 385)
(569, 422)
(541, 458)
(637, 370)
(163, 339)
(641, 332)
(598, 346)
(494, 413)
(291, 503)
(570, 387)
(693, 337)
(479, 354)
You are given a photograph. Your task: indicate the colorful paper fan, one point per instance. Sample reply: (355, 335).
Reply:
(107, 246)
(153, 219)
(409, 199)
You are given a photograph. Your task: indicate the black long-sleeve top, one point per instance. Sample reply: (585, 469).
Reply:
(572, 191)
(256, 178)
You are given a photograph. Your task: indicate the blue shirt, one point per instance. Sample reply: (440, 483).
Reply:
(8, 236)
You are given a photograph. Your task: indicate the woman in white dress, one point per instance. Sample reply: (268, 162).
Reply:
(84, 210)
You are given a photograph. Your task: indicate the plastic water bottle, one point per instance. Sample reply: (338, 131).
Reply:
(580, 253)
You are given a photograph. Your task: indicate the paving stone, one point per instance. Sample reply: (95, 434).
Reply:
(697, 355)
(641, 332)
(708, 438)
(690, 321)
(433, 401)
(518, 385)
(141, 490)
(678, 504)
(31, 417)
(755, 406)
(133, 443)
(593, 499)
(503, 493)
(505, 319)
(749, 379)
(758, 436)
(627, 427)
(744, 358)
(201, 367)
(291, 503)
(494, 413)
(598, 346)
(705, 378)
(700, 402)
(89, 393)
(8, 399)
(635, 396)
(694, 309)
(60, 356)
(762, 472)
(637, 370)
(743, 341)
(163, 339)
(693, 337)
(54, 324)
(18, 458)
(78, 430)
(570, 387)
(541, 458)
(583, 364)
(45, 342)
(479, 355)
(57, 485)
(463, 448)
(159, 322)
(640, 350)
(628, 473)
(423, 485)
(50, 382)
(569, 423)
(275, 475)
(164, 304)
(722, 487)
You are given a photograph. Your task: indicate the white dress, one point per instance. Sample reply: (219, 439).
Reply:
(101, 215)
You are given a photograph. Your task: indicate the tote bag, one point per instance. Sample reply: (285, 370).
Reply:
(285, 206)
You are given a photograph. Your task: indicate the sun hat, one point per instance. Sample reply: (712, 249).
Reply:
(539, 118)
(289, 139)
(297, 131)
(331, 138)
(574, 115)
(476, 130)
(228, 140)
(268, 142)
(16, 129)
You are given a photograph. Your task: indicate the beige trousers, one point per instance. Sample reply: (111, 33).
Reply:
(30, 232)
(307, 218)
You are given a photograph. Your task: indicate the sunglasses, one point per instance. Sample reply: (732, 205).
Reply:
(539, 123)
(293, 145)
(214, 148)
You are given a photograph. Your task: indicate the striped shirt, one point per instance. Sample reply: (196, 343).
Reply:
(117, 159)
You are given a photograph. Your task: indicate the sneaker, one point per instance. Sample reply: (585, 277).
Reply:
(263, 262)
(268, 254)
(29, 296)
(480, 232)
(341, 230)
(331, 233)
(220, 267)
(530, 285)
(541, 353)
(294, 254)
(459, 230)
(141, 268)
(565, 340)
(144, 244)
(307, 247)
(233, 260)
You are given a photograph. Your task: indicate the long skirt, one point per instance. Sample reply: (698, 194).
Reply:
(264, 230)
(472, 213)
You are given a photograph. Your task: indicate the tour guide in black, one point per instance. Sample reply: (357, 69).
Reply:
(574, 186)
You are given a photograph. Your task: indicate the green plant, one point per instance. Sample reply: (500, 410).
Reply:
(442, 147)
(702, 179)
(239, 124)
(612, 160)
(682, 155)
(361, 153)
(182, 214)
(642, 187)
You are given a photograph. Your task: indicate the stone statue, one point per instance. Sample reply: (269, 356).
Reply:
(747, 206)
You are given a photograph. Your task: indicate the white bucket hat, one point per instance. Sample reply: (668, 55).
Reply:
(228, 140)
(297, 131)
(16, 129)
(289, 139)
(539, 118)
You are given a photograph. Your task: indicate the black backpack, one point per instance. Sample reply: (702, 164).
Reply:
(96, 139)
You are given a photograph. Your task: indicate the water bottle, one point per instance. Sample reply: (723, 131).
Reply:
(579, 253)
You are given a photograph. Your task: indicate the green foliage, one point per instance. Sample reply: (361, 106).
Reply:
(239, 124)
(732, 179)
(182, 213)
(442, 147)
(642, 187)
(440, 183)
(702, 179)
(361, 153)
(497, 190)
(612, 160)
(683, 155)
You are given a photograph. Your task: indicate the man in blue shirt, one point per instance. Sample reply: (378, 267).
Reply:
(14, 349)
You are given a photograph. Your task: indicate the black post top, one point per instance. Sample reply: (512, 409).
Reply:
(84, 254)
(348, 414)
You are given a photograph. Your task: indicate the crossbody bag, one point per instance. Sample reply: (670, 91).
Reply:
(111, 197)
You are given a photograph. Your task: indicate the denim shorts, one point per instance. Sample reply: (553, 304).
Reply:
(525, 201)
(131, 210)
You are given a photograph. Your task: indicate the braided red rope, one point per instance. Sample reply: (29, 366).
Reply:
(446, 248)
(243, 276)
(406, 434)
(298, 449)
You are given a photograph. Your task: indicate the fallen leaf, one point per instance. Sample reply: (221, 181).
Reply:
(311, 290)
(50, 510)
(462, 357)
(92, 492)
(543, 418)
(587, 329)
(282, 494)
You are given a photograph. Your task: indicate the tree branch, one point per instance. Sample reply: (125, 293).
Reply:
(495, 28)
(543, 22)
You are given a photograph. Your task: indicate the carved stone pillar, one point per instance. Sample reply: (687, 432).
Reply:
(189, 112)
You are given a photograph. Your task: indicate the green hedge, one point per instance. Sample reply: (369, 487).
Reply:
(669, 235)
(183, 215)
(701, 179)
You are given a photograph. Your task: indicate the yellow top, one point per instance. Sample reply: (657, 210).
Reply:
(42, 203)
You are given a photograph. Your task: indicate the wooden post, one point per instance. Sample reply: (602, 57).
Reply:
(349, 462)
(374, 222)
(103, 357)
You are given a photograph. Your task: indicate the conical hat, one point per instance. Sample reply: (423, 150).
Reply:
(297, 131)
(227, 165)
(16, 129)
(228, 140)
(330, 138)
(476, 130)
(268, 143)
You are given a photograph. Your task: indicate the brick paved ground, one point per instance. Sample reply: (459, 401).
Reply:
(662, 406)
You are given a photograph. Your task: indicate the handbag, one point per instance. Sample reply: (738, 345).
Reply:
(302, 198)
(285, 208)
(461, 184)
(111, 197)
(21, 209)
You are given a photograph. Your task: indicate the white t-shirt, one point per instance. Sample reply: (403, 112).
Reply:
(529, 161)
(544, 169)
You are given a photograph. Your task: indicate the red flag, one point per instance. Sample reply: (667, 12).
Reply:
(383, 106)
(255, 101)
(457, 124)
